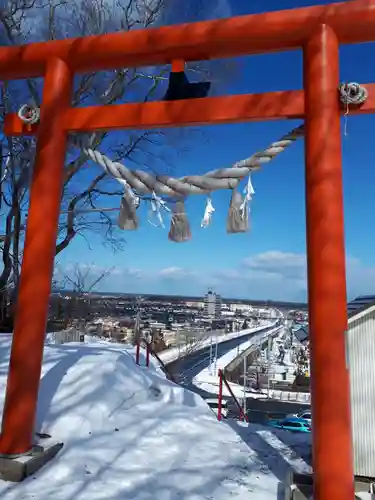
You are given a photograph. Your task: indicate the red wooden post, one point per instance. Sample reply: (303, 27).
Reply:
(147, 354)
(137, 352)
(332, 449)
(220, 396)
(37, 267)
(178, 65)
(243, 416)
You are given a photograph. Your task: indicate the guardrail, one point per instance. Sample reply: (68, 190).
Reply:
(290, 397)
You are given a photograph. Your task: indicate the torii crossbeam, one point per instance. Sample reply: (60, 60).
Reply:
(318, 31)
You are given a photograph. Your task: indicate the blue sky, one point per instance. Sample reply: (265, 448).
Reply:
(269, 261)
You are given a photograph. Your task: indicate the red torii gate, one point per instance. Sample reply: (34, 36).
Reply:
(318, 31)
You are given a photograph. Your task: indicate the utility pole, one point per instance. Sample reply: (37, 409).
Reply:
(137, 325)
(238, 336)
(178, 342)
(291, 333)
(244, 385)
(211, 349)
(268, 365)
(217, 338)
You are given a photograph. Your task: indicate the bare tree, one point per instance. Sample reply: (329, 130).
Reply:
(86, 188)
(84, 279)
(136, 336)
(301, 358)
(81, 281)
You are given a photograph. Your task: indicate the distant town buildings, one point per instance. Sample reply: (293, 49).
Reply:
(164, 320)
(212, 305)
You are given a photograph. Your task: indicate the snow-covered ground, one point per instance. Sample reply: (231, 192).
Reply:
(129, 433)
(208, 379)
(170, 355)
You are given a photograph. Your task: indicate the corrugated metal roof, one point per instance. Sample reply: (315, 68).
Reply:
(302, 334)
(360, 304)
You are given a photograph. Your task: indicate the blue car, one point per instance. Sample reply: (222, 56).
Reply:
(293, 424)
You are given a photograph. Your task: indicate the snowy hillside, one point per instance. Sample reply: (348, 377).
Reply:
(129, 433)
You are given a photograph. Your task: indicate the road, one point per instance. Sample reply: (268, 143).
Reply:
(185, 369)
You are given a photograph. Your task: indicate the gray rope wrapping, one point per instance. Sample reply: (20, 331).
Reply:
(352, 94)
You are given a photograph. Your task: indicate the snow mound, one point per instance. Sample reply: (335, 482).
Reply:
(128, 432)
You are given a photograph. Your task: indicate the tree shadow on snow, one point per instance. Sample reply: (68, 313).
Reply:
(170, 472)
(51, 381)
(139, 456)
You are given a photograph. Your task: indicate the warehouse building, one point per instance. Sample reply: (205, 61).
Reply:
(361, 362)
(360, 346)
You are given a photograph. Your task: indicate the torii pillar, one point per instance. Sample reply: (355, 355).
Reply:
(326, 270)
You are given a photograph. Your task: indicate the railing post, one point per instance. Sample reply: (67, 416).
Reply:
(137, 352)
(220, 396)
(242, 415)
(162, 364)
(332, 446)
(37, 266)
(147, 354)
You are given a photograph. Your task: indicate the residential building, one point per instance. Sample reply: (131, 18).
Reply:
(212, 305)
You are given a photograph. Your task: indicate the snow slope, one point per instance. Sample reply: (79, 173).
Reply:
(129, 433)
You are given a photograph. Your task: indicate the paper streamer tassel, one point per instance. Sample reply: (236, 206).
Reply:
(128, 218)
(180, 227)
(238, 219)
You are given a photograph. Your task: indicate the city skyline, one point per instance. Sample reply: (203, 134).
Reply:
(165, 297)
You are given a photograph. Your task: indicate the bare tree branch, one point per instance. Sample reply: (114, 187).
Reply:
(84, 279)
(85, 185)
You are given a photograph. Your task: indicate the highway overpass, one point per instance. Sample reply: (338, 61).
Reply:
(186, 368)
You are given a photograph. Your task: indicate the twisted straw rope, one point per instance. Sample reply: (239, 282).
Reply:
(165, 185)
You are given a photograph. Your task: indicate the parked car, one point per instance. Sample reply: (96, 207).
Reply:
(293, 424)
(214, 405)
(306, 415)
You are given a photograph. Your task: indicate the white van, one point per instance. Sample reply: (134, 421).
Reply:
(214, 405)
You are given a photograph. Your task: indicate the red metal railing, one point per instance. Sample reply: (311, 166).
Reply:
(137, 352)
(150, 351)
(223, 380)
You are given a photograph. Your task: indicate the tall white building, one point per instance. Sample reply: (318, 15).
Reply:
(212, 305)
